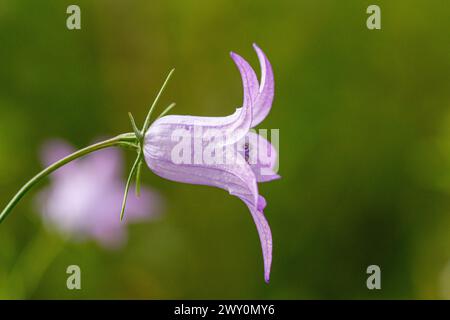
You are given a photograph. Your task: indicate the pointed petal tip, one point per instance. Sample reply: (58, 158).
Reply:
(267, 278)
(268, 178)
(236, 57)
(258, 49)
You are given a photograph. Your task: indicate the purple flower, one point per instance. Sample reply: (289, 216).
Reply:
(83, 197)
(177, 147)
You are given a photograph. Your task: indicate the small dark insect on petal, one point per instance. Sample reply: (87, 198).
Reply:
(247, 151)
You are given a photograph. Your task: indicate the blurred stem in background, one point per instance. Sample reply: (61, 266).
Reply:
(32, 264)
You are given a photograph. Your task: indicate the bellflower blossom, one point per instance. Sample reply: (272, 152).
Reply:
(222, 137)
(223, 152)
(82, 198)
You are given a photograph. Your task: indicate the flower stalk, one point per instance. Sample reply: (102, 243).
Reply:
(122, 140)
(134, 140)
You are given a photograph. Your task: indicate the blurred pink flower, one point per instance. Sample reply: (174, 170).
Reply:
(83, 197)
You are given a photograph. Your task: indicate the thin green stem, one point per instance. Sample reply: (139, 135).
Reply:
(147, 119)
(170, 107)
(137, 132)
(127, 186)
(126, 139)
(138, 179)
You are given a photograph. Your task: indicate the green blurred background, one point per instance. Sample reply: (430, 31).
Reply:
(364, 123)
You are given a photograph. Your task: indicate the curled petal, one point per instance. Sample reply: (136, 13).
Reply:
(260, 94)
(265, 237)
(249, 80)
(263, 102)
